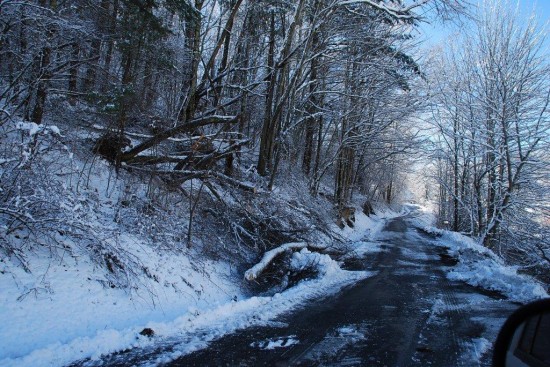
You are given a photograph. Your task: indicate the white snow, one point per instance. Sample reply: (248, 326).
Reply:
(367, 227)
(270, 344)
(322, 263)
(281, 343)
(351, 333)
(480, 267)
(213, 322)
(68, 309)
(493, 275)
(34, 128)
(480, 346)
(73, 315)
(65, 309)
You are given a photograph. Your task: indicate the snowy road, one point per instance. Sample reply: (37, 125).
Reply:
(408, 314)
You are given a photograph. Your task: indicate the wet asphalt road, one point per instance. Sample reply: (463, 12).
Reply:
(408, 314)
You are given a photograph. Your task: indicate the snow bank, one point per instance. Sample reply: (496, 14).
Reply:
(194, 328)
(493, 275)
(480, 267)
(73, 314)
(306, 259)
(367, 227)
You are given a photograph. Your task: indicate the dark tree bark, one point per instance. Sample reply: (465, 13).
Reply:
(266, 140)
(311, 120)
(73, 73)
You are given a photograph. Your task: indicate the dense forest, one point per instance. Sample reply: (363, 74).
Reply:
(323, 84)
(197, 97)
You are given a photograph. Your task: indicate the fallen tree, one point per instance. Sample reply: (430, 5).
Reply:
(183, 128)
(198, 158)
(255, 271)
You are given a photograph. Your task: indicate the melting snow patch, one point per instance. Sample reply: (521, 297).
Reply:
(361, 249)
(350, 332)
(480, 346)
(480, 267)
(281, 342)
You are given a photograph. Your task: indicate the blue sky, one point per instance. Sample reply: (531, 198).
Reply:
(542, 7)
(433, 33)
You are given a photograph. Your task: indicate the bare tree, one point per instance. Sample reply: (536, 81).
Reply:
(491, 110)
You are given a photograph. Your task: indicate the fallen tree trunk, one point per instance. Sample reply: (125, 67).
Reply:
(185, 127)
(255, 271)
(236, 183)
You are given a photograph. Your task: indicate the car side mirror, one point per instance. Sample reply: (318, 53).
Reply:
(524, 339)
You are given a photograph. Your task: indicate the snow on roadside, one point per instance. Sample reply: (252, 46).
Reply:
(362, 239)
(322, 263)
(480, 346)
(258, 311)
(66, 310)
(211, 322)
(480, 267)
(367, 227)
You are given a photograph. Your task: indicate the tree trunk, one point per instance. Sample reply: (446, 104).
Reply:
(310, 120)
(44, 75)
(455, 176)
(73, 73)
(95, 47)
(266, 140)
(105, 83)
(127, 78)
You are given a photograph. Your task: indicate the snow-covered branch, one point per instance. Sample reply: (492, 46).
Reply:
(401, 12)
(255, 271)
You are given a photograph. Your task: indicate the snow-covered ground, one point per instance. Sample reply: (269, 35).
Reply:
(368, 227)
(72, 314)
(61, 306)
(84, 320)
(479, 266)
(63, 312)
(95, 322)
(65, 309)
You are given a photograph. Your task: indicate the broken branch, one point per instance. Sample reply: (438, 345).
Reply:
(255, 271)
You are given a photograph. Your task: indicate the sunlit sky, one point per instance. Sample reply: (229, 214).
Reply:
(542, 8)
(436, 32)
